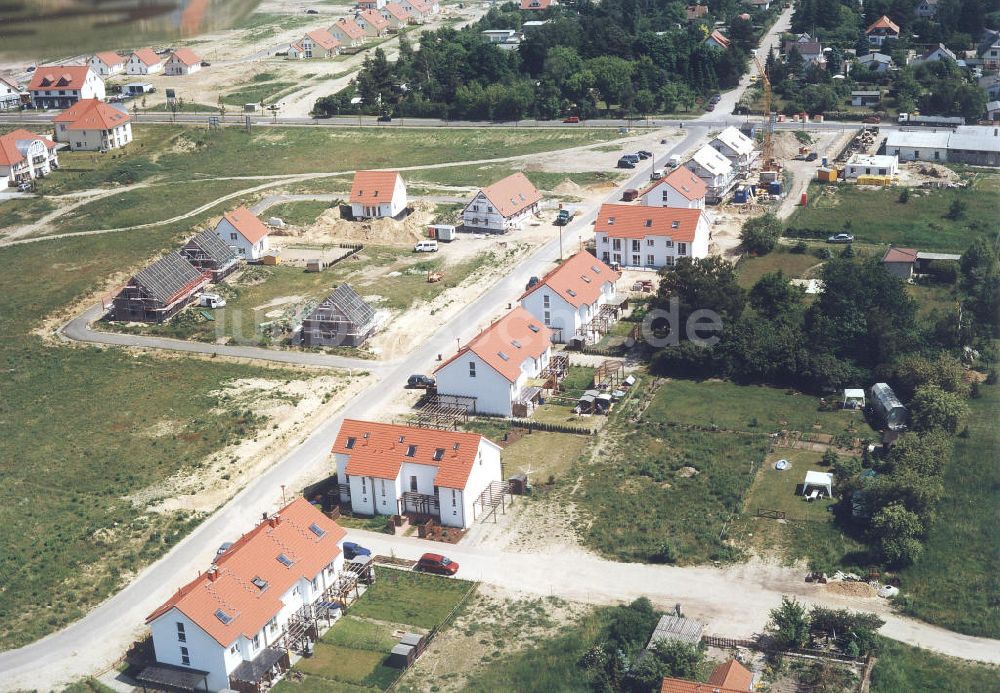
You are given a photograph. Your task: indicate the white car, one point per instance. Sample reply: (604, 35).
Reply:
(426, 247)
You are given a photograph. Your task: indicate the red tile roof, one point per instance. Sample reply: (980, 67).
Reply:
(512, 194)
(230, 588)
(684, 181)
(10, 154)
(900, 255)
(630, 221)
(732, 675)
(379, 450)
(375, 19)
(349, 27)
(421, 6)
(719, 38)
(323, 38)
(696, 11)
(110, 58)
(397, 11)
(578, 280)
(671, 685)
(247, 223)
(506, 344)
(186, 56)
(373, 187)
(535, 4)
(883, 22)
(147, 56)
(59, 77)
(92, 114)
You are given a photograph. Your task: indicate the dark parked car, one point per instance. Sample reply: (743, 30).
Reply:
(629, 195)
(644, 154)
(223, 548)
(436, 563)
(385, 119)
(531, 283)
(352, 550)
(634, 158)
(312, 11)
(205, 63)
(625, 163)
(812, 156)
(420, 382)
(840, 238)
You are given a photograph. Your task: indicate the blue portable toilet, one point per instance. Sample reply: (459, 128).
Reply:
(741, 196)
(774, 187)
(824, 162)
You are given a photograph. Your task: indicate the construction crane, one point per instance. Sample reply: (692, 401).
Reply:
(771, 118)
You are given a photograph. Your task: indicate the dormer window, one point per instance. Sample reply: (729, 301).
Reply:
(517, 344)
(571, 292)
(350, 443)
(438, 454)
(402, 438)
(675, 224)
(534, 328)
(411, 450)
(649, 223)
(260, 583)
(597, 270)
(455, 447)
(611, 221)
(503, 356)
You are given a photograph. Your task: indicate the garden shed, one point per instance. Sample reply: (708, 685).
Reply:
(676, 628)
(888, 406)
(342, 319)
(854, 398)
(820, 482)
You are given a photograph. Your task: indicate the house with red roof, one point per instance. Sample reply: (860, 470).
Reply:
(91, 125)
(717, 40)
(372, 23)
(144, 61)
(318, 43)
(25, 155)
(107, 63)
(395, 14)
(649, 237)
(881, 30)
(537, 4)
(377, 194)
(61, 86)
(900, 261)
(420, 9)
(371, 4)
(242, 231)
(388, 469)
(498, 366)
(729, 677)
(569, 297)
(502, 206)
(348, 32)
(182, 61)
(232, 626)
(10, 94)
(680, 188)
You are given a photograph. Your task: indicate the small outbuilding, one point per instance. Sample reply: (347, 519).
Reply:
(900, 261)
(854, 398)
(209, 254)
(888, 406)
(816, 484)
(673, 628)
(342, 319)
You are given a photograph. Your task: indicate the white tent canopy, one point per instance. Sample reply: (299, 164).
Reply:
(822, 481)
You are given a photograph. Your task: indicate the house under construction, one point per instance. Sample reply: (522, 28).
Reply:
(209, 254)
(158, 291)
(343, 319)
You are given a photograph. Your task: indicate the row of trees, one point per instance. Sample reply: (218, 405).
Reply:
(791, 627)
(590, 58)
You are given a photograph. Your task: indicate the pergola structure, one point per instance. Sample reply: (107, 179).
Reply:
(444, 411)
(167, 677)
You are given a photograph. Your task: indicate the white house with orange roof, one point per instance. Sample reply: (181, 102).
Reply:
(61, 86)
(420, 9)
(649, 237)
(502, 206)
(387, 469)
(227, 626)
(25, 155)
(882, 30)
(348, 32)
(537, 4)
(570, 296)
(144, 61)
(371, 4)
(242, 231)
(377, 194)
(10, 94)
(318, 43)
(395, 14)
(495, 367)
(107, 63)
(182, 61)
(681, 188)
(372, 22)
(91, 125)
(717, 40)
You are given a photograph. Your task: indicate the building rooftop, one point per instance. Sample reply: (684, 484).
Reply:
(512, 195)
(578, 281)
(508, 343)
(373, 187)
(637, 222)
(247, 223)
(92, 114)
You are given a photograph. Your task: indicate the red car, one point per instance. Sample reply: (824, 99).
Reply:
(571, 119)
(436, 563)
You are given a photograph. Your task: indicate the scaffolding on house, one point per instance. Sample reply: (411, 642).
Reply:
(158, 291)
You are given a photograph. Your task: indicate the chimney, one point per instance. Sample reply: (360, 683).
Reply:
(264, 515)
(273, 521)
(213, 574)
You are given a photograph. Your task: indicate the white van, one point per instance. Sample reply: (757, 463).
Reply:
(426, 247)
(657, 174)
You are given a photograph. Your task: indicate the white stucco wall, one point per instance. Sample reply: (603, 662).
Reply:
(663, 252)
(243, 247)
(134, 66)
(666, 196)
(481, 214)
(205, 653)
(493, 392)
(94, 140)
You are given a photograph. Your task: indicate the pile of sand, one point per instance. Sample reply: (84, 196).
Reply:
(851, 589)
(567, 187)
(330, 226)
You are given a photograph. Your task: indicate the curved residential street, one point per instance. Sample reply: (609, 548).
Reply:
(734, 600)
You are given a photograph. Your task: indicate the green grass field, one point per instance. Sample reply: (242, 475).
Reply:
(14, 212)
(794, 266)
(545, 454)
(415, 599)
(484, 174)
(904, 668)
(258, 92)
(877, 216)
(955, 583)
(810, 532)
(749, 408)
(299, 213)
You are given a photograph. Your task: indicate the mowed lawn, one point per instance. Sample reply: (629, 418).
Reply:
(664, 494)
(877, 216)
(810, 531)
(749, 408)
(416, 599)
(955, 583)
(793, 265)
(83, 428)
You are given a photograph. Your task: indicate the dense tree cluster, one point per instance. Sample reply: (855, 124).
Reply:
(589, 58)
(792, 627)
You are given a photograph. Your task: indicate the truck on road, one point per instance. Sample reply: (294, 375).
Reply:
(565, 216)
